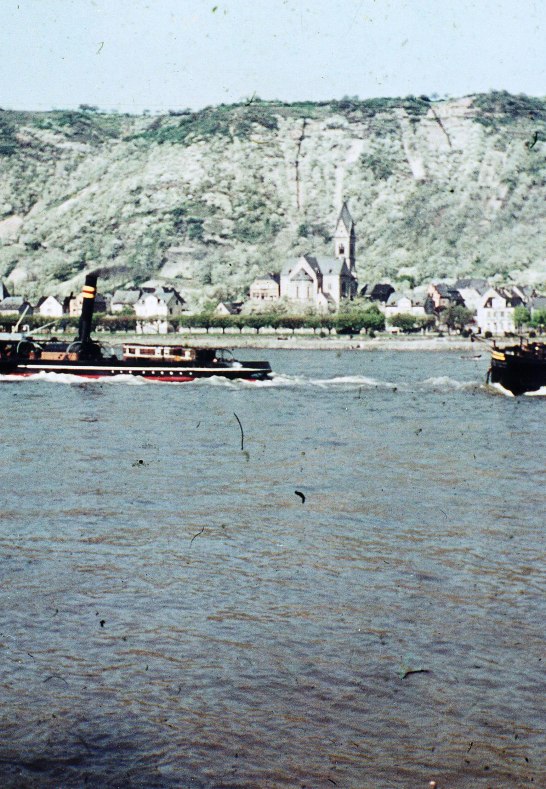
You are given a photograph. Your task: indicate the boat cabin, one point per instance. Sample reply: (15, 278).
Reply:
(170, 353)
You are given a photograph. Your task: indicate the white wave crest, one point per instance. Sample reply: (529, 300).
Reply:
(70, 378)
(539, 393)
(445, 383)
(351, 382)
(500, 390)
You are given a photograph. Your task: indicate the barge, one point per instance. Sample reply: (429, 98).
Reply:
(519, 368)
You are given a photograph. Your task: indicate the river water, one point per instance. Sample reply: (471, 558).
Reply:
(174, 614)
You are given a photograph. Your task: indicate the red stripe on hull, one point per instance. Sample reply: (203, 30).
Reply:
(178, 379)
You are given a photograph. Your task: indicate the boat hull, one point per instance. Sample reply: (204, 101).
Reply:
(517, 373)
(171, 373)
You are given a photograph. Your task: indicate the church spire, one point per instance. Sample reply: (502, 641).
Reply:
(345, 238)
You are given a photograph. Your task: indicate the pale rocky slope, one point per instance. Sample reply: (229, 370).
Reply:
(209, 200)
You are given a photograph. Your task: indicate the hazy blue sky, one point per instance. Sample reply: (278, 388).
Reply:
(162, 54)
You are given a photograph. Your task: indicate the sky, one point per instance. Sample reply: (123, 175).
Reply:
(157, 55)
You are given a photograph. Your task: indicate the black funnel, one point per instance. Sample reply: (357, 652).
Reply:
(88, 305)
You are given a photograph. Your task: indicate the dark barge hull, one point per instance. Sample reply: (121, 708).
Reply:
(517, 372)
(150, 371)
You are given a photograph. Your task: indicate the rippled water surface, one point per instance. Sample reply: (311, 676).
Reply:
(173, 614)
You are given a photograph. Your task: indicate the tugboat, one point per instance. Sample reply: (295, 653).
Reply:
(519, 368)
(22, 355)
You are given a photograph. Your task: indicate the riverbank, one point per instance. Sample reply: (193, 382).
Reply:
(306, 342)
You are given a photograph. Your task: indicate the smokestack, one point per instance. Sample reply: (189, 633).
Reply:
(88, 292)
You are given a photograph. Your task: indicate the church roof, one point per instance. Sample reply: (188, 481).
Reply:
(336, 266)
(291, 264)
(321, 266)
(345, 217)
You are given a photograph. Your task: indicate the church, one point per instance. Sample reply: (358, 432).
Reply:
(322, 282)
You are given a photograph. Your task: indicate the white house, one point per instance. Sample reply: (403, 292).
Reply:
(124, 300)
(50, 307)
(161, 303)
(495, 312)
(266, 288)
(398, 304)
(472, 290)
(228, 308)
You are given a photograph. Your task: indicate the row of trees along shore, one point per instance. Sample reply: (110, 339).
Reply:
(347, 321)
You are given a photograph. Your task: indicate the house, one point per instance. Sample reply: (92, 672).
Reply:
(15, 305)
(124, 300)
(323, 282)
(228, 308)
(443, 296)
(161, 303)
(50, 307)
(266, 288)
(495, 312)
(380, 292)
(400, 304)
(471, 291)
(75, 304)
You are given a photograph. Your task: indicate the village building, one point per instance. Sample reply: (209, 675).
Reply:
(323, 282)
(495, 312)
(443, 296)
(266, 288)
(50, 307)
(380, 292)
(75, 304)
(15, 305)
(228, 308)
(161, 303)
(124, 300)
(471, 291)
(401, 304)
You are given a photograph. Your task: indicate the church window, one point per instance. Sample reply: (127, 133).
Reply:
(341, 249)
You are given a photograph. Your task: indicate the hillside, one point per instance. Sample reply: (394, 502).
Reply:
(210, 199)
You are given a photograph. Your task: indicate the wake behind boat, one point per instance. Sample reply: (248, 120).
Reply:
(22, 355)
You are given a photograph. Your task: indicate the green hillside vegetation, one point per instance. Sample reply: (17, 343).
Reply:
(208, 200)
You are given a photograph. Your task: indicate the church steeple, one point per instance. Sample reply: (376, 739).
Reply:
(345, 238)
